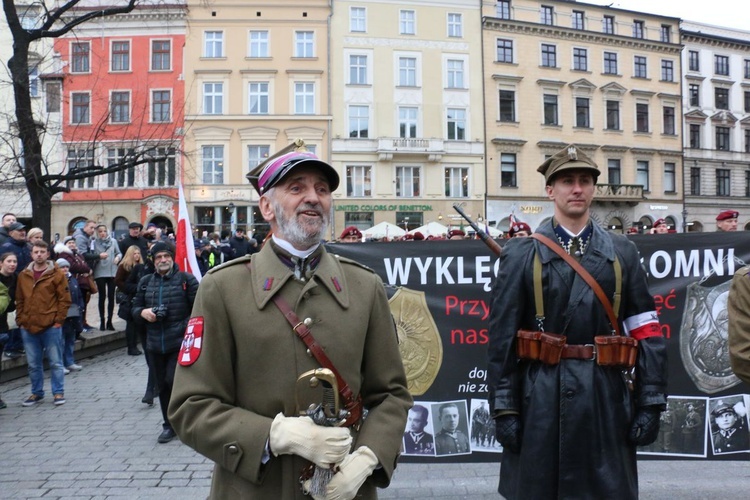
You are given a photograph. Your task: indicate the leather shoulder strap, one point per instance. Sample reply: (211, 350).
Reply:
(304, 333)
(583, 273)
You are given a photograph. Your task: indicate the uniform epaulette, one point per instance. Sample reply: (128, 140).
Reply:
(345, 260)
(233, 262)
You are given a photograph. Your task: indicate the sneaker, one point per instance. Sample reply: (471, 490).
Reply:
(59, 399)
(12, 354)
(74, 367)
(166, 435)
(66, 371)
(33, 400)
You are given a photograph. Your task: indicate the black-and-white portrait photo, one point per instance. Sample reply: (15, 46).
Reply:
(729, 425)
(450, 421)
(418, 437)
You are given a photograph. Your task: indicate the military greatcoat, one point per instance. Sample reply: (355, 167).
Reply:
(738, 307)
(575, 415)
(223, 404)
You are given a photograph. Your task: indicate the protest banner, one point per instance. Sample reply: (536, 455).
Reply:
(440, 297)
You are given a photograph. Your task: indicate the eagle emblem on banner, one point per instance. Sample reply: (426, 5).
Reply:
(704, 347)
(418, 337)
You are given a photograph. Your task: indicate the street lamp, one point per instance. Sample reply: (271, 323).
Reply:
(232, 221)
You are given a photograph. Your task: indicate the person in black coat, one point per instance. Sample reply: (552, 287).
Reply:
(134, 238)
(570, 425)
(240, 245)
(164, 299)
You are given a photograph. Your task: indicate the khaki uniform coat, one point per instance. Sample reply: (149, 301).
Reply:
(223, 404)
(738, 306)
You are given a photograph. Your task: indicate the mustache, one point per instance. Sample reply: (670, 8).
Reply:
(309, 207)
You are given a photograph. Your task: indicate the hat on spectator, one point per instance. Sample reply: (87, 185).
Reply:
(160, 247)
(633, 230)
(274, 169)
(351, 231)
(456, 232)
(518, 226)
(727, 214)
(67, 239)
(418, 236)
(135, 225)
(408, 237)
(568, 158)
(659, 222)
(62, 263)
(150, 225)
(16, 226)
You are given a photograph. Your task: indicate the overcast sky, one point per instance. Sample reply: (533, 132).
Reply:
(729, 13)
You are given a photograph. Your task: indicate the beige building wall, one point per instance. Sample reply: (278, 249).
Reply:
(391, 60)
(256, 79)
(551, 71)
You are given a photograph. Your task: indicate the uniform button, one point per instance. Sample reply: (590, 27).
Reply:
(309, 353)
(233, 449)
(308, 321)
(569, 394)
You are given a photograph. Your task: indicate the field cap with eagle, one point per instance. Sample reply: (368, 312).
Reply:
(274, 169)
(568, 158)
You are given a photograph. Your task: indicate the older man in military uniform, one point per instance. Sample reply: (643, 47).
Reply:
(738, 309)
(569, 425)
(727, 220)
(235, 396)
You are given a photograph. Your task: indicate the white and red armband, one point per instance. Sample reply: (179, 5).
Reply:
(643, 325)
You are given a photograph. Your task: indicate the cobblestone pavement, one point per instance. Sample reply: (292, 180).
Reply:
(102, 444)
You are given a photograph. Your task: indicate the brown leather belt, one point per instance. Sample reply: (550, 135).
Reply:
(579, 351)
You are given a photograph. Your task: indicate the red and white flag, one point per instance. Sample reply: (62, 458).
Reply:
(185, 251)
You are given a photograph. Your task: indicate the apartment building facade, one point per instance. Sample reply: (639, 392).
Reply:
(407, 107)
(257, 77)
(123, 95)
(716, 107)
(608, 80)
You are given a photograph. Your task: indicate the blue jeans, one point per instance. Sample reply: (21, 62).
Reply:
(49, 340)
(69, 330)
(15, 343)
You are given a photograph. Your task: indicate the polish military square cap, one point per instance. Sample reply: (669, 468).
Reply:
(274, 169)
(568, 158)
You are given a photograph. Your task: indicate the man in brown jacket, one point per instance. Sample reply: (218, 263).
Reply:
(42, 302)
(234, 397)
(738, 307)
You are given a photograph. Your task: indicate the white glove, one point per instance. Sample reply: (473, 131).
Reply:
(353, 472)
(302, 437)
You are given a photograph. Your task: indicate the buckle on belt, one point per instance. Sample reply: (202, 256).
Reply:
(593, 350)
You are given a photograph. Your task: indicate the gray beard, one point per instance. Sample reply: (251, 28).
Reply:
(296, 233)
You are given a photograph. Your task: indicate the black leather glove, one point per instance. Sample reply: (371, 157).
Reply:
(508, 432)
(645, 426)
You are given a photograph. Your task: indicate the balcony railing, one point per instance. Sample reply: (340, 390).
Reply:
(432, 148)
(619, 192)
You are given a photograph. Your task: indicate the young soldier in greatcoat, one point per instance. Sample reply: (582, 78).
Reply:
(234, 398)
(570, 428)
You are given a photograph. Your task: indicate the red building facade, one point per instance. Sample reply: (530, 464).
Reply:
(123, 94)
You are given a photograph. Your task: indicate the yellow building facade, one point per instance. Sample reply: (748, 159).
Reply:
(608, 80)
(407, 129)
(256, 78)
